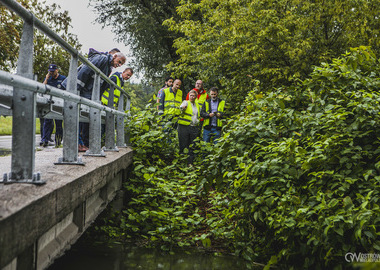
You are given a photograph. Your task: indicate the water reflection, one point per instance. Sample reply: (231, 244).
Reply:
(84, 255)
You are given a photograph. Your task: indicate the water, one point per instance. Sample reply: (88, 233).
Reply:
(88, 254)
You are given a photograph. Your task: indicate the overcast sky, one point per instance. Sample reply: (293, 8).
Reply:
(90, 33)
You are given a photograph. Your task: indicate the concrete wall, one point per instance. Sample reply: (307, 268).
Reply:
(38, 223)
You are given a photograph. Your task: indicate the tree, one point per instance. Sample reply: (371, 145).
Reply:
(139, 24)
(237, 42)
(46, 51)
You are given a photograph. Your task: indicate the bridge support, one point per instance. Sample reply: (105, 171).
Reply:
(110, 125)
(71, 120)
(95, 120)
(37, 224)
(24, 117)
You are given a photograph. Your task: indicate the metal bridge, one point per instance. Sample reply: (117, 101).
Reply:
(39, 221)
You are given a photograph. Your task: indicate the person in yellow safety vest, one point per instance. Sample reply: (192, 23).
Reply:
(170, 100)
(168, 83)
(119, 79)
(202, 96)
(212, 112)
(188, 124)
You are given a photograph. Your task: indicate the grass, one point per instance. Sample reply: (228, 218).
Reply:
(6, 125)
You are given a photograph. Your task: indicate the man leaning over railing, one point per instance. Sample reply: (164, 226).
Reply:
(85, 82)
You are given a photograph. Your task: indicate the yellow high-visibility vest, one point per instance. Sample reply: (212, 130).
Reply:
(185, 116)
(220, 109)
(171, 102)
(116, 93)
(202, 98)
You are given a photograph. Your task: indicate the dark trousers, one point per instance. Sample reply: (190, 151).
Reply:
(58, 132)
(186, 136)
(84, 128)
(41, 126)
(47, 130)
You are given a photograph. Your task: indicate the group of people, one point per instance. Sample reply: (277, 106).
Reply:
(192, 114)
(197, 114)
(105, 62)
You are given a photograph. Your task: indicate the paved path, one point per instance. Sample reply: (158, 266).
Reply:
(6, 141)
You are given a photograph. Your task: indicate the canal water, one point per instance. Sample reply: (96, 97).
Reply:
(88, 253)
(85, 255)
(91, 252)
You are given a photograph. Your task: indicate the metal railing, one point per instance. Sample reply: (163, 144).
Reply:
(22, 102)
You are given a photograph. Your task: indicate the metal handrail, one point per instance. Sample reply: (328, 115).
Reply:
(24, 104)
(30, 17)
(27, 84)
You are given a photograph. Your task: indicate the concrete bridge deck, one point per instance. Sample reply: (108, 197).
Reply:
(37, 223)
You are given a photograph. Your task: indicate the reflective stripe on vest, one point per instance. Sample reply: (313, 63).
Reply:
(116, 93)
(171, 103)
(220, 109)
(185, 116)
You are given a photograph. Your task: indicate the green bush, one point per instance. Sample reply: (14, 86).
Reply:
(293, 182)
(303, 166)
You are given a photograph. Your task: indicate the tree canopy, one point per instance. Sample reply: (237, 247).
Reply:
(45, 50)
(233, 43)
(138, 23)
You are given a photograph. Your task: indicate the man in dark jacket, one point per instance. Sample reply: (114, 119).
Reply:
(52, 78)
(85, 81)
(212, 112)
(104, 62)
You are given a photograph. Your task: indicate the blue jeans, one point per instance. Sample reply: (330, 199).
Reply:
(213, 133)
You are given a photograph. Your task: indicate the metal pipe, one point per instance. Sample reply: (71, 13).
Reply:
(36, 87)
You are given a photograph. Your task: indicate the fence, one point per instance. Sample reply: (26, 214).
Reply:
(21, 101)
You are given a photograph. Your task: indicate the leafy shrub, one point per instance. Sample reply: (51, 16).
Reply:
(293, 182)
(303, 166)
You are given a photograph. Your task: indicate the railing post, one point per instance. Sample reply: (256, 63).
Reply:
(120, 141)
(95, 120)
(110, 124)
(127, 133)
(24, 117)
(71, 120)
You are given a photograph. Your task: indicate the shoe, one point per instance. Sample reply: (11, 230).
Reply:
(45, 144)
(41, 143)
(80, 148)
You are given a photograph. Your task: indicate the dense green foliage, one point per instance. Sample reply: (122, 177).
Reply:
(232, 43)
(294, 182)
(140, 95)
(45, 50)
